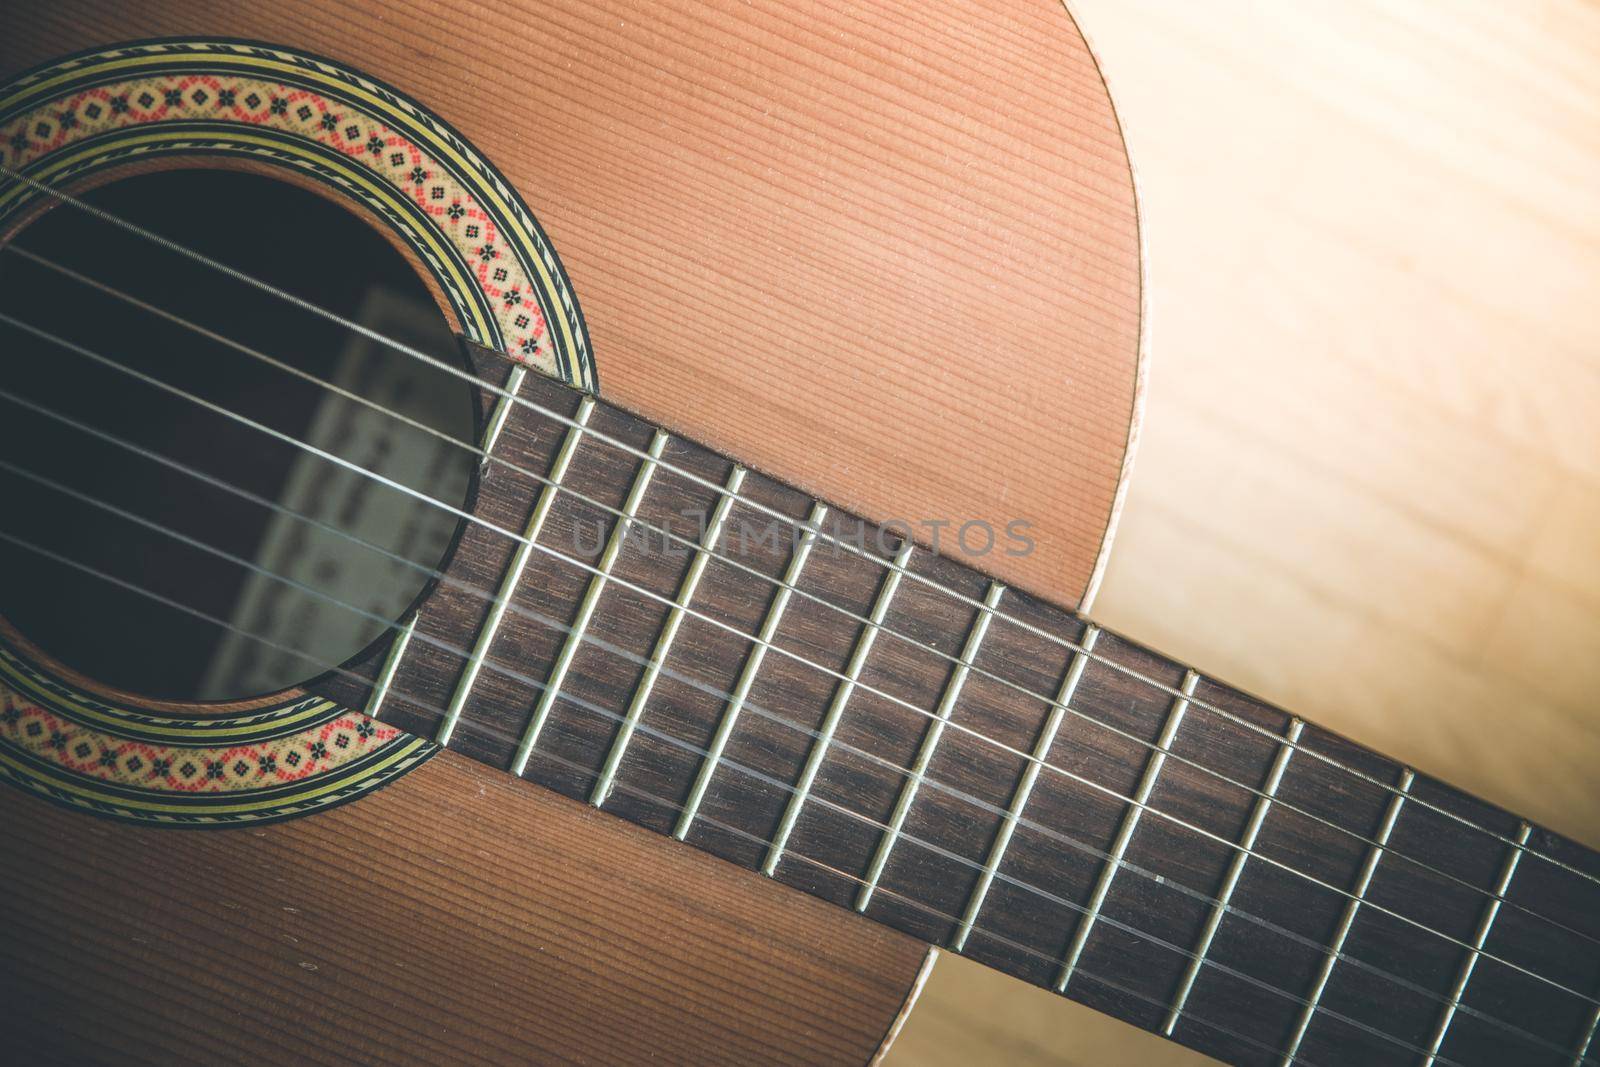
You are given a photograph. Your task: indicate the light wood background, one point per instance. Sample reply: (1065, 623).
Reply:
(1368, 487)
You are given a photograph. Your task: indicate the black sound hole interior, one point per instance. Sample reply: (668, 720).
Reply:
(157, 545)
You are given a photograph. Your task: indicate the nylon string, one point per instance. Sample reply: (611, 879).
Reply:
(774, 580)
(446, 367)
(533, 544)
(123, 513)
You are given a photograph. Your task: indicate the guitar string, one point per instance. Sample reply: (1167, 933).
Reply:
(443, 365)
(775, 580)
(1235, 846)
(1099, 917)
(649, 593)
(1029, 757)
(493, 665)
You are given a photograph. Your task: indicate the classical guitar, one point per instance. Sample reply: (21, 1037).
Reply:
(401, 664)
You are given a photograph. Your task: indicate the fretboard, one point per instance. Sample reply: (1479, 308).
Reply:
(643, 625)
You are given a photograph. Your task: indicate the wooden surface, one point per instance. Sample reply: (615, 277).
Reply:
(1370, 448)
(455, 916)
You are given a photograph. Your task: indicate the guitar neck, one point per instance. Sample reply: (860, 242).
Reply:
(887, 728)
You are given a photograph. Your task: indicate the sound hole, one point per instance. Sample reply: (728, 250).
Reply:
(187, 554)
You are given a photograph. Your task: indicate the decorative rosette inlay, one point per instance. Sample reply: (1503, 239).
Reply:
(271, 763)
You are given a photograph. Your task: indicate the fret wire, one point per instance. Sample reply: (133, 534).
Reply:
(1258, 815)
(586, 608)
(930, 744)
(502, 411)
(830, 721)
(485, 459)
(397, 648)
(750, 772)
(778, 719)
(669, 633)
(1490, 910)
(752, 666)
(418, 354)
(1019, 799)
(513, 576)
(1369, 867)
(1130, 823)
(391, 667)
(1582, 1055)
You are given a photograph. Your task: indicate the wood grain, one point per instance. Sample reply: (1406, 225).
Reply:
(1366, 487)
(456, 916)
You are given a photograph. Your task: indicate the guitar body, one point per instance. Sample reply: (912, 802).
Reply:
(889, 256)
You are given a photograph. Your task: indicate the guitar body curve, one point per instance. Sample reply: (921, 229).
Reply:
(892, 261)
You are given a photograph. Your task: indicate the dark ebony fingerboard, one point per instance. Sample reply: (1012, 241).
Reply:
(1259, 922)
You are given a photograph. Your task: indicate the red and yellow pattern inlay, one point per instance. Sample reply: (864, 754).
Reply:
(293, 757)
(82, 751)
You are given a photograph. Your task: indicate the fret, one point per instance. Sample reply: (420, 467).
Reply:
(397, 648)
(1130, 823)
(752, 666)
(841, 697)
(586, 607)
(513, 574)
(1553, 946)
(930, 743)
(1230, 882)
(1030, 775)
(391, 664)
(1358, 893)
(1587, 1040)
(502, 410)
(1490, 910)
(669, 633)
